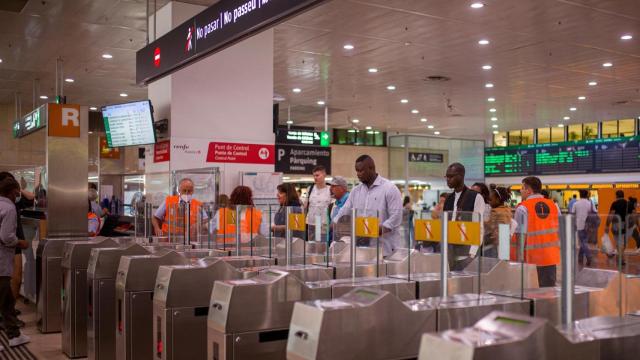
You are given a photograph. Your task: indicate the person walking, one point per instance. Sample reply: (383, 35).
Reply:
(500, 215)
(318, 200)
(582, 209)
(616, 223)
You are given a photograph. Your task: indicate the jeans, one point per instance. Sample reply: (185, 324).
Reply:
(7, 308)
(583, 236)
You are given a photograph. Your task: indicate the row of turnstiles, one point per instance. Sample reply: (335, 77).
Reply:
(128, 298)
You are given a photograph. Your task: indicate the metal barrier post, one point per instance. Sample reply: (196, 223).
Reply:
(567, 274)
(444, 255)
(238, 230)
(353, 243)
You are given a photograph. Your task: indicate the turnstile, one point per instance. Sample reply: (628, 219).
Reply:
(428, 284)
(135, 282)
(365, 323)
(74, 294)
(612, 337)
(49, 282)
(502, 275)
(181, 304)
(101, 313)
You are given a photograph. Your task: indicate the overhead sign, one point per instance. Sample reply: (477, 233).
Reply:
(297, 137)
(37, 119)
(64, 120)
(218, 26)
(161, 151)
(219, 152)
(426, 157)
(608, 155)
(296, 159)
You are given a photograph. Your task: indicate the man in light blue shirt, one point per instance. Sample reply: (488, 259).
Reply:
(340, 193)
(376, 196)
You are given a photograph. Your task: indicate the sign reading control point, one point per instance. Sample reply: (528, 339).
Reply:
(218, 26)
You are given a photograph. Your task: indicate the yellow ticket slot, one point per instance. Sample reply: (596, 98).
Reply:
(230, 217)
(464, 233)
(428, 230)
(297, 222)
(367, 227)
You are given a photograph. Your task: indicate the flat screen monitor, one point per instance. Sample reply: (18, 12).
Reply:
(129, 124)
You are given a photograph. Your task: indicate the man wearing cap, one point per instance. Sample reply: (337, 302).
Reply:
(340, 193)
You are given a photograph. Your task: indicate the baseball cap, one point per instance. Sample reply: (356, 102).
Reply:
(338, 181)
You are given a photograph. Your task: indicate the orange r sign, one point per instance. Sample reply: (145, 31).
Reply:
(64, 120)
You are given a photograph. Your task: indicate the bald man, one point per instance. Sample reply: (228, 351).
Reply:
(172, 221)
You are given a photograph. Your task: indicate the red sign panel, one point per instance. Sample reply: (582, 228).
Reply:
(161, 152)
(241, 153)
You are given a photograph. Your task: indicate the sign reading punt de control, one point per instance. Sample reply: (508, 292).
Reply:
(218, 26)
(222, 152)
(296, 159)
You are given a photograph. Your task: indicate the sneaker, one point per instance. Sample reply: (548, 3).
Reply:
(17, 341)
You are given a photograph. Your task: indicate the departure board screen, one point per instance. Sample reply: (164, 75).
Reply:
(572, 157)
(129, 124)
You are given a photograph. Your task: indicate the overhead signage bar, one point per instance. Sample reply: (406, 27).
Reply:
(33, 121)
(220, 25)
(609, 155)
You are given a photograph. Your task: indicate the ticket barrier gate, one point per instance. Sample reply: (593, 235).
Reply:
(366, 264)
(249, 319)
(365, 323)
(135, 282)
(49, 282)
(101, 314)
(181, 304)
(74, 294)
(501, 275)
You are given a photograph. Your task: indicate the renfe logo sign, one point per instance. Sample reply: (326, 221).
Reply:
(241, 153)
(222, 24)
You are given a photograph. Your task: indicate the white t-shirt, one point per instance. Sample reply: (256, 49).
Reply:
(582, 208)
(319, 201)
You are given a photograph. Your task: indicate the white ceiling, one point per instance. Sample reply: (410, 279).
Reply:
(543, 54)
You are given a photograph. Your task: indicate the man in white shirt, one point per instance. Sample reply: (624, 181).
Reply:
(379, 197)
(582, 208)
(317, 205)
(464, 205)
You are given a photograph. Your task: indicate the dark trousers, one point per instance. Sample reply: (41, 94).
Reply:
(583, 236)
(547, 276)
(7, 308)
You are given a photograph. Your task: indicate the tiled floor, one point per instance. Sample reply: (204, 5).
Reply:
(43, 346)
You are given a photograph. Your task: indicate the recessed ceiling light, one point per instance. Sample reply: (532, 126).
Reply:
(495, 132)
(297, 90)
(391, 87)
(592, 83)
(494, 119)
(477, 5)
(368, 128)
(348, 47)
(483, 42)
(573, 109)
(289, 122)
(492, 110)
(107, 56)
(44, 97)
(436, 133)
(491, 99)
(0, 61)
(488, 85)
(626, 37)
(582, 98)
(373, 70)
(423, 119)
(69, 80)
(407, 43)
(320, 102)
(93, 108)
(607, 64)
(560, 125)
(566, 118)
(124, 95)
(495, 126)
(430, 127)
(355, 121)
(415, 111)
(486, 67)
(404, 101)
(352, 130)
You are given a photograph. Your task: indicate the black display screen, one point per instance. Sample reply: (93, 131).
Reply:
(573, 157)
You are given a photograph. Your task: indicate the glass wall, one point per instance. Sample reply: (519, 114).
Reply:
(575, 132)
(626, 127)
(609, 129)
(544, 135)
(590, 131)
(557, 134)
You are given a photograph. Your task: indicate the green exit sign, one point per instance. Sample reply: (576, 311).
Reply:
(324, 138)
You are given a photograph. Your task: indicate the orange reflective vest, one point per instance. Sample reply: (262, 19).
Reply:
(542, 242)
(93, 216)
(249, 223)
(173, 217)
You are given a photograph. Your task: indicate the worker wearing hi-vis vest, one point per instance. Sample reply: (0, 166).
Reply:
(537, 220)
(168, 218)
(251, 223)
